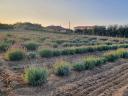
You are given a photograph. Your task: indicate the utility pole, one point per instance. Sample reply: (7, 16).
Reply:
(69, 25)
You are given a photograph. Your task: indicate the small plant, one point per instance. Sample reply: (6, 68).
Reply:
(46, 53)
(32, 55)
(4, 46)
(14, 55)
(55, 45)
(111, 56)
(31, 46)
(62, 68)
(69, 51)
(90, 62)
(56, 52)
(36, 76)
(79, 66)
(122, 53)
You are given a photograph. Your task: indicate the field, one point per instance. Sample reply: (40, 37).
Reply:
(92, 65)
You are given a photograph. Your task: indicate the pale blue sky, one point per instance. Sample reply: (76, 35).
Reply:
(79, 12)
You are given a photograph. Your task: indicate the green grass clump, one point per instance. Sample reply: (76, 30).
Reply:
(31, 46)
(14, 55)
(36, 76)
(89, 63)
(122, 53)
(111, 56)
(79, 66)
(114, 55)
(80, 50)
(4, 46)
(46, 53)
(32, 55)
(62, 68)
(68, 51)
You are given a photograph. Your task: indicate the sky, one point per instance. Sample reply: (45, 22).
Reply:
(60, 12)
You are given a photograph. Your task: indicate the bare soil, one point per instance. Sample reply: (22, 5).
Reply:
(106, 80)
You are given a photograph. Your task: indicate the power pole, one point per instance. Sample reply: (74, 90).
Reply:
(69, 25)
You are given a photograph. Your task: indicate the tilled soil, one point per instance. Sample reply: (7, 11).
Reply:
(101, 81)
(101, 84)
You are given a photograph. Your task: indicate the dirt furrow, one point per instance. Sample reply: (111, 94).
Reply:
(109, 85)
(98, 80)
(101, 83)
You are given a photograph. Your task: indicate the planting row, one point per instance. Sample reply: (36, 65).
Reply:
(78, 50)
(15, 54)
(37, 76)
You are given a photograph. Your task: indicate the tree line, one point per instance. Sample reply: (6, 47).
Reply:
(111, 30)
(24, 26)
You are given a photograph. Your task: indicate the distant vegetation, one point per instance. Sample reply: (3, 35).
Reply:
(33, 27)
(112, 30)
(6, 26)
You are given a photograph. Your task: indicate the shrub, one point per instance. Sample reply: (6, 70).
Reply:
(36, 76)
(4, 46)
(32, 55)
(55, 45)
(62, 68)
(122, 53)
(111, 56)
(56, 52)
(14, 55)
(79, 66)
(65, 52)
(31, 46)
(90, 62)
(46, 53)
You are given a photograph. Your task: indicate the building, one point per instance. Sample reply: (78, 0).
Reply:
(57, 29)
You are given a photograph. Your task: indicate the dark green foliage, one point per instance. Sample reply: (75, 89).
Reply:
(46, 53)
(14, 55)
(78, 50)
(62, 68)
(31, 46)
(56, 52)
(79, 66)
(88, 63)
(36, 76)
(32, 55)
(112, 30)
(111, 56)
(4, 45)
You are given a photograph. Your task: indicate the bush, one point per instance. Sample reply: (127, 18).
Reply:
(46, 53)
(54, 45)
(32, 55)
(90, 62)
(14, 55)
(111, 56)
(31, 46)
(62, 68)
(122, 53)
(79, 66)
(56, 52)
(4, 46)
(36, 76)
(68, 51)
